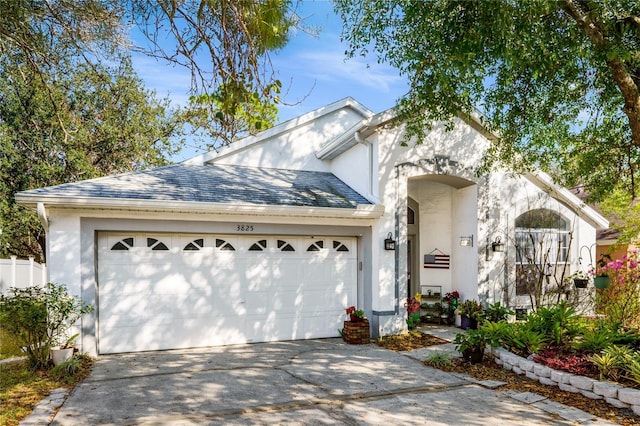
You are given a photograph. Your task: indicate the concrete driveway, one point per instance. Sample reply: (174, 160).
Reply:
(325, 382)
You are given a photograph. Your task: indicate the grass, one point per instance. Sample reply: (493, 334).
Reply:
(21, 389)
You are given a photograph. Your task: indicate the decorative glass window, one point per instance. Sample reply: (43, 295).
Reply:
(122, 245)
(156, 245)
(542, 240)
(411, 216)
(259, 246)
(316, 246)
(223, 245)
(285, 246)
(338, 246)
(194, 245)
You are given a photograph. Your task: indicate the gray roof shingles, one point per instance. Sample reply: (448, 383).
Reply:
(216, 184)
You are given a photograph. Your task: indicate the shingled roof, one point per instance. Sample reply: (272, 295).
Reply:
(215, 184)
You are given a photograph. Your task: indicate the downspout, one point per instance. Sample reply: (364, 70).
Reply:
(42, 215)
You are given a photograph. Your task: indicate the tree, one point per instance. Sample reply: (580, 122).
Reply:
(89, 121)
(223, 43)
(559, 81)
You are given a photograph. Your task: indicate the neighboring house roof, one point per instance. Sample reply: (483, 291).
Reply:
(604, 235)
(219, 184)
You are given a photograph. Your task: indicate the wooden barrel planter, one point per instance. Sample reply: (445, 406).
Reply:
(356, 333)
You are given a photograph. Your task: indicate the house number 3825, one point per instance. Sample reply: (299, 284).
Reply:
(244, 228)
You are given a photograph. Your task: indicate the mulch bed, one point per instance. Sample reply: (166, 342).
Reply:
(489, 370)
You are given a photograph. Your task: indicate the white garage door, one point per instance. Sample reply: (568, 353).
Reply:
(166, 291)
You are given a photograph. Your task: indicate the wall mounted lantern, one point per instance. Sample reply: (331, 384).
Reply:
(497, 245)
(466, 241)
(389, 243)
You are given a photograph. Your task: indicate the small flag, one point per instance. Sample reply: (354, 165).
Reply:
(437, 261)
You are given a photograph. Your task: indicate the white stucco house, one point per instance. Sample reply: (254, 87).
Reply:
(273, 237)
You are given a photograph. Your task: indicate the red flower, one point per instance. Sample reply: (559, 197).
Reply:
(350, 310)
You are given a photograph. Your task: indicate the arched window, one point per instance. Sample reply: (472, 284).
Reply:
(542, 240)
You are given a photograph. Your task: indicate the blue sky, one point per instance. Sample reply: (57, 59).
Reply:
(309, 66)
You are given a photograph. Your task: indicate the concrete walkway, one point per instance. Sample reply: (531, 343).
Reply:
(325, 382)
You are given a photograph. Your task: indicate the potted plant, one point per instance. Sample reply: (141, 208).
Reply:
(601, 277)
(471, 344)
(355, 315)
(580, 279)
(470, 312)
(451, 301)
(413, 310)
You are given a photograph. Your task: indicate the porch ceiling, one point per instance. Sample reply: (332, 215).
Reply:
(454, 181)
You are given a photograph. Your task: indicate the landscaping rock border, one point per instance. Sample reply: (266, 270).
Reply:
(616, 395)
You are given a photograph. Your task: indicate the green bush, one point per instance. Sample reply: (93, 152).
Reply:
(438, 359)
(518, 338)
(38, 318)
(558, 324)
(496, 312)
(8, 346)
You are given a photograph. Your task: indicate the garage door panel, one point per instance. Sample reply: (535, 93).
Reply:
(176, 298)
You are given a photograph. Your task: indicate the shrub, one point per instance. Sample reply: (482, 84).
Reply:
(558, 324)
(620, 302)
(496, 312)
(38, 318)
(438, 359)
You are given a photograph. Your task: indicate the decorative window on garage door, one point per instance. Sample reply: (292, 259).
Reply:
(123, 244)
(340, 246)
(316, 246)
(259, 246)
(224, 245)
(156, 245)
(194, 245)
(285, 246)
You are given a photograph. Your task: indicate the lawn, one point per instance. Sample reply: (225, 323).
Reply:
(22, 389)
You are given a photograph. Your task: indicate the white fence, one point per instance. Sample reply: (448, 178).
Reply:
(20, 273)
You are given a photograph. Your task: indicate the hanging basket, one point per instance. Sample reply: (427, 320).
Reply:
(602, 281)
(580, 283)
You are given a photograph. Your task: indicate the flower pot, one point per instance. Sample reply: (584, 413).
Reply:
(580, 283)
(602, 281)
(473, 355)
(355, 318)
(468, 323)
(356, 333)
(58, 356)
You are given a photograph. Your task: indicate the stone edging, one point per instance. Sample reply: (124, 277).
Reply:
(614, 394)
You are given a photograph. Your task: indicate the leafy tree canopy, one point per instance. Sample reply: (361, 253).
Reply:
(86, 122)
(223, 43)
(557, 80)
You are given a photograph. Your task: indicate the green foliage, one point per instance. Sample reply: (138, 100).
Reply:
(23, 315)
(496, 312)
(475, 340)
(515, 337)
(39, 318)
(101, 121)
(66, 369)
(470, 308)
(559, 324)
(618, 361)
(8, 345)
(557, 80)
(413, 320)
(438, 359)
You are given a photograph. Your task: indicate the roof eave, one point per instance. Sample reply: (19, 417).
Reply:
(362, 211)
(545, 182)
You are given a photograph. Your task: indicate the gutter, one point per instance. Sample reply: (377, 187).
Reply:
(362, 211)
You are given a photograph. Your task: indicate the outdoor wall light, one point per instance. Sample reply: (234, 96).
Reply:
(466, 241)
(497, 245)
(389, 243)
